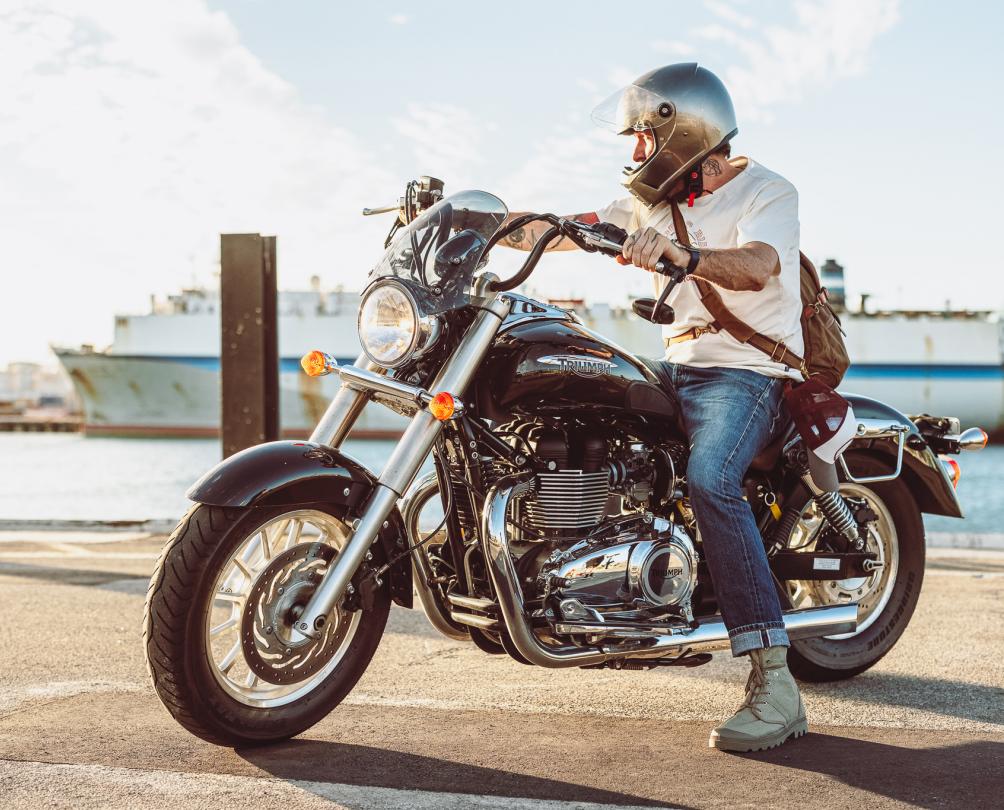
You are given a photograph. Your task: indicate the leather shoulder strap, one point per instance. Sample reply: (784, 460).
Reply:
(724, 319)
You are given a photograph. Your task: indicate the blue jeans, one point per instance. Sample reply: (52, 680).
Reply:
(730, 415)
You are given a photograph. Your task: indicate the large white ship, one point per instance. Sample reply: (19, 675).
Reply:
(160, 376)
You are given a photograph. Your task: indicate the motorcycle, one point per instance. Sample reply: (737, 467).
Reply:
(555, 527)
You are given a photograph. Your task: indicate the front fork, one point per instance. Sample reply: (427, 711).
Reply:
(404, 463)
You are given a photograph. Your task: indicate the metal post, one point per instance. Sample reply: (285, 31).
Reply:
(249, 349)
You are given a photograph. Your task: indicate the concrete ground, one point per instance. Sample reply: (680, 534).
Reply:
(436, 723)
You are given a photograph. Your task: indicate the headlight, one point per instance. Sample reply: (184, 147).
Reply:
(390, 330)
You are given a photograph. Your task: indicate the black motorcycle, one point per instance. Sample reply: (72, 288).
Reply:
(565, 537)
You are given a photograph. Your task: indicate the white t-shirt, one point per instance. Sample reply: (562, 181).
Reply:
(755, 206)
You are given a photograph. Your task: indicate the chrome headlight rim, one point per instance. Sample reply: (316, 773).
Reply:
(426, 330)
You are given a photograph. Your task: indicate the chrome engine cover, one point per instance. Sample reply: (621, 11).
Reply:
(654, 565)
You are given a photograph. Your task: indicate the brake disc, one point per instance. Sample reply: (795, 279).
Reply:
(272, 651)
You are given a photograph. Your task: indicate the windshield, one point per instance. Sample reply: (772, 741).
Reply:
(441, 278)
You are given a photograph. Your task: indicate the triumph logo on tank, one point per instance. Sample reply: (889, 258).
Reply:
(577, 364)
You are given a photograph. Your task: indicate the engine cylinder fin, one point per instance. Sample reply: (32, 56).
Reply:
(568, 500)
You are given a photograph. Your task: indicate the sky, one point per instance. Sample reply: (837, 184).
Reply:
(133, 133)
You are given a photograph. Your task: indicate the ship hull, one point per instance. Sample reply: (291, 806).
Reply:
(180, 397)
(161, 376)
(164, 396)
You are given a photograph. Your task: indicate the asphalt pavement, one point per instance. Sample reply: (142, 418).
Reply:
(436, 723)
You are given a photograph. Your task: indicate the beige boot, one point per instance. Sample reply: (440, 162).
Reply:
(772, 711)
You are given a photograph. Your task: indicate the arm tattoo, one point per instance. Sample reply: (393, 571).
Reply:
(746, 268)
(712, 167)
(516, 237)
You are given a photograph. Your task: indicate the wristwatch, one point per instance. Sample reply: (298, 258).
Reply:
(694, 253)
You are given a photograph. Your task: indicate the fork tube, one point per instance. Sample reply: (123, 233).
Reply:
(344, 409)
(403, 465)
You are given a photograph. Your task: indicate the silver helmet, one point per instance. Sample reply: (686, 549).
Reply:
(689, 113)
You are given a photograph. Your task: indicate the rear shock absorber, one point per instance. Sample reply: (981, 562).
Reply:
(835, 511)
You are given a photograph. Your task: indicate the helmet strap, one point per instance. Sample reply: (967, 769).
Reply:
(695, 183)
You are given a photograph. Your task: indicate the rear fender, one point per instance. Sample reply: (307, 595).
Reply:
(304, 474)
(923, 473)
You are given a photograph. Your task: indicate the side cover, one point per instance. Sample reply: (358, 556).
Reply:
(294, 473)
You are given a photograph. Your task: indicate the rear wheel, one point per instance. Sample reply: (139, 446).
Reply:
(218, 624)
(886, 597)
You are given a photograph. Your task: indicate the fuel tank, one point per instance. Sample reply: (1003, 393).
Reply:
(552, 367)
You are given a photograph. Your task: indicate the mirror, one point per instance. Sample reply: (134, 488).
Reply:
(654, 311)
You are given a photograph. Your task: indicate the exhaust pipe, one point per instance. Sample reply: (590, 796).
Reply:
(709, 635)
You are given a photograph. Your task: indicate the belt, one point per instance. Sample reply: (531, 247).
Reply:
(692, 334)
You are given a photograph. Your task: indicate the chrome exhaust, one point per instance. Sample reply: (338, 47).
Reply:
(708, 635)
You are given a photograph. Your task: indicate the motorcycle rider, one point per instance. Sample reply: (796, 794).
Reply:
(743, 236)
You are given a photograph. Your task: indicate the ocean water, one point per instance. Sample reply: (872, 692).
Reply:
(67, 476)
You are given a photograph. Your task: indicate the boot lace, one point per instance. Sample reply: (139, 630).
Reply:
(757, 690)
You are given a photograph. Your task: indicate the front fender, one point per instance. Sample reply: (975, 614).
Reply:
(292, 474)
(923, 472)
(287, 473)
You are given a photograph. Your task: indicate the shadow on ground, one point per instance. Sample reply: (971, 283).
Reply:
(322, 761)
(966, 775)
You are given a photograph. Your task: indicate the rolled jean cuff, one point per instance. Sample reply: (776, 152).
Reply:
(757, 637)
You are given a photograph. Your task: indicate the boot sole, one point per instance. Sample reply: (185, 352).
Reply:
(796, 729)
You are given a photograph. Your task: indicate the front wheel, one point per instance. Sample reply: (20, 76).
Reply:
(886, 598)
(218, 624)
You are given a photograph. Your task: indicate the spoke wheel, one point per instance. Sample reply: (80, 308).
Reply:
(219, 626)
(256, 655)
(872, 592)
(886, 597)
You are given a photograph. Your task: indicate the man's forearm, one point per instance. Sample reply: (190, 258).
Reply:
(745, 268)
(526, 237)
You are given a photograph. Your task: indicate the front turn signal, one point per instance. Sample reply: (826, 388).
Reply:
(317, 363)
(442, 406)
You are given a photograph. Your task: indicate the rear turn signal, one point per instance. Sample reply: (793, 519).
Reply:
(317, 363)
(442, 406)
(953, 469)
(973, 439)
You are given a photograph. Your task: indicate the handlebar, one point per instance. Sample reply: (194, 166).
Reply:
(385, 209)
(602, 238)
(609, 240)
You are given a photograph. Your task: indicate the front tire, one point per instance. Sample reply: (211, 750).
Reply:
(887, 606)
(208, 652)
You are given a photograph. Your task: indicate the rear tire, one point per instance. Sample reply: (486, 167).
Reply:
(837, 658)
(182, 596)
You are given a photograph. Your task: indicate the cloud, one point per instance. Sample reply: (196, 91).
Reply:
(444, 139)
(131, 135)
(729, 14)
(674, 47)
(830, 40)
(568, 164)
(399, 19)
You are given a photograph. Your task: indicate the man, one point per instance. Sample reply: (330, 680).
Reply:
(742, 232)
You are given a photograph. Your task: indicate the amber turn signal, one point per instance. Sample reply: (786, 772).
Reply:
(317, 363)
(953, 469)
(442, 406)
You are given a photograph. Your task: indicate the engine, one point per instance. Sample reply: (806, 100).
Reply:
(645, 569)
(592, 548)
